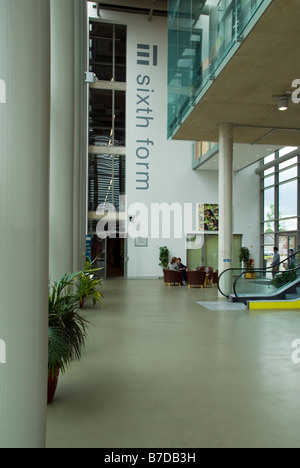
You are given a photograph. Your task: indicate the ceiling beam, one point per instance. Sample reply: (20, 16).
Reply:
(158, 5)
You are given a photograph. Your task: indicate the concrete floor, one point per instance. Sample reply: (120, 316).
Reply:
(161, 371)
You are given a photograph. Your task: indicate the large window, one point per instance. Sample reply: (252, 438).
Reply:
(107, 117)
(107, 145)
(108, 51)
(106, 180)
(280, 200)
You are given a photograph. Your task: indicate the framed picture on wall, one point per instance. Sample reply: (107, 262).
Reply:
(208, 217)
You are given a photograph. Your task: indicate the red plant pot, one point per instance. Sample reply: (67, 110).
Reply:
(52, 385)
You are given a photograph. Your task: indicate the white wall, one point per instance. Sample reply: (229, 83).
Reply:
(171, 178)
(246, 196)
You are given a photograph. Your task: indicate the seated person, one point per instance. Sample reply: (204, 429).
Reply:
(183, 269)
(173, 264)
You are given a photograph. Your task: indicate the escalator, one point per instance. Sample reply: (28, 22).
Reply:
(264, 288)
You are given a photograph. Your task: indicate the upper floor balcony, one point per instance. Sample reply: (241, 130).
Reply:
(229, 61)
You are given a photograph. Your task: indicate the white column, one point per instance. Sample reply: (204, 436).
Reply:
(225, 196)
(68, 130)
(81, 131)
(24, 208)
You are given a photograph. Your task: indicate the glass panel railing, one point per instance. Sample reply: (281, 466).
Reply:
(201, 35)
(254, 284)
(227, 279)
(269, 283)
(260, 282)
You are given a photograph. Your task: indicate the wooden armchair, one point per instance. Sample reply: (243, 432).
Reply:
(196, 278)
(215, 278)
(209, 273)
(172, 277)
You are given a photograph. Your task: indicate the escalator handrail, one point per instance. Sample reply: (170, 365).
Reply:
(258, 270)
(244, 270)
(225, 271)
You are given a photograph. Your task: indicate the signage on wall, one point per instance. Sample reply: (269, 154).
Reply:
(147, 54)
(141, 242)
(147, 57)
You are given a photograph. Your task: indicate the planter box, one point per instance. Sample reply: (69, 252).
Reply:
(250, 276)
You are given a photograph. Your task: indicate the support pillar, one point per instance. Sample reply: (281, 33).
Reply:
(24, 208)
(225, 198)
(68, 136)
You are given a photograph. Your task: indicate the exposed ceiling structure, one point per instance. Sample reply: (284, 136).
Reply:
(244, 155)
(149, 8)
(246, 92)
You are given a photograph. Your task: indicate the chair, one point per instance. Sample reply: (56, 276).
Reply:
(172, 277)
(196, 278)
(215, 278)
(209, 273)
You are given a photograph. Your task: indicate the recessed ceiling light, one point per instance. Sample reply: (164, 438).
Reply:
(283, 103)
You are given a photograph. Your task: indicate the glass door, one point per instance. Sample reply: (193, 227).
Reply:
(287, 243)
(205, 252)
(212, 251)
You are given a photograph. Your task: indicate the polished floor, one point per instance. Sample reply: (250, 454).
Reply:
(162, 371)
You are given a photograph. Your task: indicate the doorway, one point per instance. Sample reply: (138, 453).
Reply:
(286, 243)
(109, 256)
(115, 255)
(207, 253)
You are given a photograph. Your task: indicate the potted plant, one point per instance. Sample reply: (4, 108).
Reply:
(245, 261)
(67, 330)
(250, 273)
(164, 257)
(245, 257)
(285, 277)
(87, 285)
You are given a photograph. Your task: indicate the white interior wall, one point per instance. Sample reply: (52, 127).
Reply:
(171, 178)
(246, 196)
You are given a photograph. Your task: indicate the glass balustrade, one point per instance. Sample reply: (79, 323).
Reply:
(268, 283)
(265, 285)
(201, 35)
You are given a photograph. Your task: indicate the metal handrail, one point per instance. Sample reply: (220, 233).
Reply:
(244, 270)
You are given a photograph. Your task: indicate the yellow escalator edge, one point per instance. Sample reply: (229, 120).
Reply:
(280, 305)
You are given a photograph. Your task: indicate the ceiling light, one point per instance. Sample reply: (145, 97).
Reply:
(283, 103)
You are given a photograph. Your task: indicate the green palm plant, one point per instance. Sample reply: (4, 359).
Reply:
(87, 284)
(87, 287)
(67, 330)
